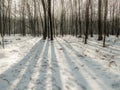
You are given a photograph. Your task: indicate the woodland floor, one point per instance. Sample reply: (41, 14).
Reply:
(29, 63)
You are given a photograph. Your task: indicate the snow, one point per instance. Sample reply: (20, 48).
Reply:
(30, 63)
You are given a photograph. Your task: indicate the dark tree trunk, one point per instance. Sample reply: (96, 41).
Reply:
(100, 20)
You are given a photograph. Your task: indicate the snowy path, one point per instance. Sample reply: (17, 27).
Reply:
(58, 65)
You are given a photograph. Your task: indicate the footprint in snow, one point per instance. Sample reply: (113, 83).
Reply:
(94, 78)
(82, 65)
(80, 55)
(60, 48)
(116, 85)
(76, 68)
(4, 83)
(67, 87)
(83, 87)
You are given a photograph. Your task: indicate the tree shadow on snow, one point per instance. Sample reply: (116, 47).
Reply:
(19, 74)
(95, 74)
(42, 76)
(56, 78)
(80, 79)
(107, 50)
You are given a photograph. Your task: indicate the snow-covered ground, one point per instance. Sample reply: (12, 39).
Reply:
(29, 63)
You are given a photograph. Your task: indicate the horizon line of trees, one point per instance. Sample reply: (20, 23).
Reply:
(51, 18)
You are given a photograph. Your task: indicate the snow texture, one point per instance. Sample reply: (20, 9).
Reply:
(29, 63)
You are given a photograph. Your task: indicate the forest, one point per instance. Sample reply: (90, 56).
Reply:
(59, 45)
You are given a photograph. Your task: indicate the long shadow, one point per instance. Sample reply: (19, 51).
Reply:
(70, 46)
(27, 75)
(81, 81)
(56, 78)
(106, 50)
(90, 65)
(76, 52)
(42, 77)
(95, 46)
(14, 72)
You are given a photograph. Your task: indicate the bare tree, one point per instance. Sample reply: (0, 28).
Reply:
(105, 20)
(50, 18)
(87, 20)
(100, 20)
